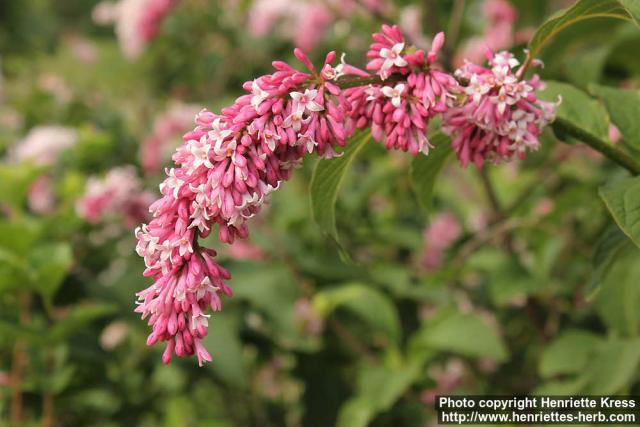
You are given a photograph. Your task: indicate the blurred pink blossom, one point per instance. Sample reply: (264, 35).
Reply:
(84, 50)
(443, 231)
(41, 195)
(614, 133)
(544, 206)
(118, 193)
(305, 22)
(411, 24)
(156, 149)
(5, 379)
(243, 249)
(114, 334)
(273, 380)
(447, 378)
(307, 318)
(43, 144)
(498, 33)
(137, 22)
(56, 86)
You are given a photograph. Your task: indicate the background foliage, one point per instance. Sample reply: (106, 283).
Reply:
(535, 291)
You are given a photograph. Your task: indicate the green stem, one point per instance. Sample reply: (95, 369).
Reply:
(560, 126)
(349, 82)
(455, 21)
(613, 153)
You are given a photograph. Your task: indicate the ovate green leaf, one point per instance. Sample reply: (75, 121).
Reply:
(372, 306)
(50, 264)
(562, 355)
(15, 181)
(607, 248)
(618, 298)
(326, 181)
(578, 108)
(467, 334)
(633, 9)
(77, 318)
(225, 346)
(581, 10)
(622, 198)
(624, 109)
(613, 367)
(379, 387)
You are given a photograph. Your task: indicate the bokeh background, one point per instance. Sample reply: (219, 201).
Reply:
(487, 292)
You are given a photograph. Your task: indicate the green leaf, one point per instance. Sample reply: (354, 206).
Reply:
(612, 241)
(614, 367)
(568, 354)
(578, 108)
(356, 412)
(618, 298)
(15, 181)
(18, 236)
(425, 169)
(624, 109)
(270, 289)
(564, 387)
(326, 181)
(50, 264)
(366, 302)
(379, 387)
(77, 318)
(622, 198)
(225, 346)
(467, 334)
(580, 11)
(13, 331)
(633, 9)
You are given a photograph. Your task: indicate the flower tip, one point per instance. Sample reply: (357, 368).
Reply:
(152, 339)
(302, 57)
(488, 53)
(438, 42)
(331, 56)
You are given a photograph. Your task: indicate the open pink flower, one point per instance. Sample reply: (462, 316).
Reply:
(156, 149)
(118, 195)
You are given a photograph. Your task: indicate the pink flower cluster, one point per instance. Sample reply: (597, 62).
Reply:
(136, 21)
(156, 149)
(501, 116)
(231, 162)
(399, 114)
(226, 170)
(43, 146)
(119, 193)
